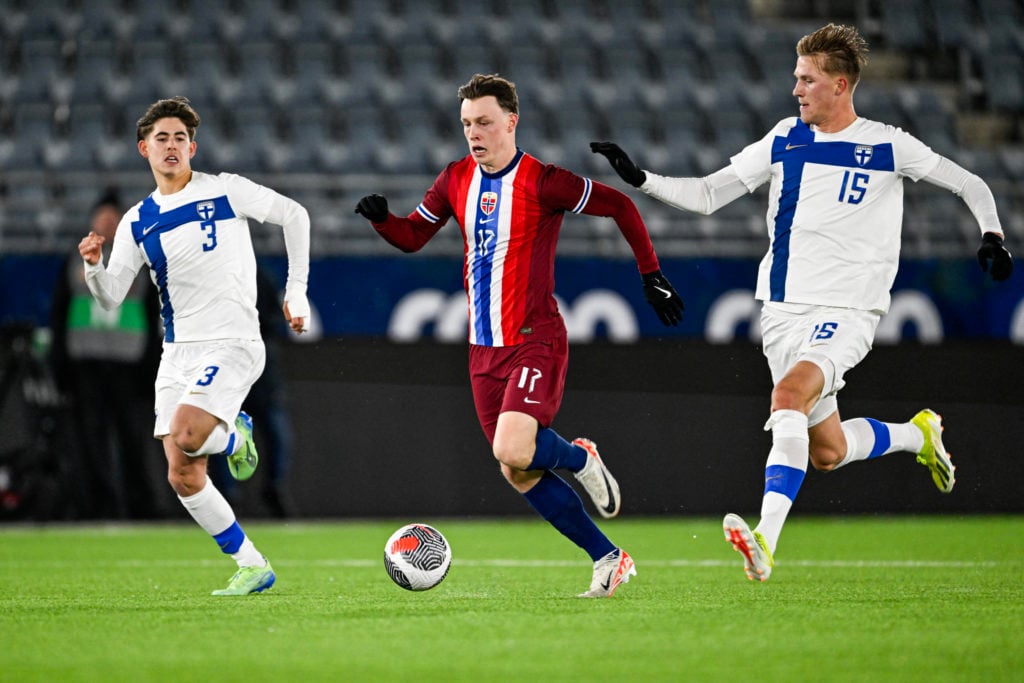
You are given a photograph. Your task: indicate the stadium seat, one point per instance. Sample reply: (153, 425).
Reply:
(952, 22)
(905, 24)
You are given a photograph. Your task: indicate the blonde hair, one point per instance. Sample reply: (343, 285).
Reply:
(836, 49)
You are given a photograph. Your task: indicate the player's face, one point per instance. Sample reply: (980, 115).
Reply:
(169, 148)
(817, 93)
(490, 132)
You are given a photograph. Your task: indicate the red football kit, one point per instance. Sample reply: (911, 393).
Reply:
(510, 222)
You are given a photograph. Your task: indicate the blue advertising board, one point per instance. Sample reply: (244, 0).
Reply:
(411, 298)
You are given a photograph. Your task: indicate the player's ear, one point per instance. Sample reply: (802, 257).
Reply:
(143, 148)
(513, 120)
(191, 149)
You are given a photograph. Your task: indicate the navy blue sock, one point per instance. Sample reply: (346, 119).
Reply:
(555, 453)
(559, 504)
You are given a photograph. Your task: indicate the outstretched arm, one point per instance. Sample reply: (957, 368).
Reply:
(978, 197)
(606, 201)
(702, 195)
(408, 234)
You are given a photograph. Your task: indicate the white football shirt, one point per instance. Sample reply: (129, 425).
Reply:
(197, 245)
(835, 210)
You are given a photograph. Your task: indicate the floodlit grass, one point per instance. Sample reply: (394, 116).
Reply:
(851, 599)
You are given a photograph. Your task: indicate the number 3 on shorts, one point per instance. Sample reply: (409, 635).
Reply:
(208, 377)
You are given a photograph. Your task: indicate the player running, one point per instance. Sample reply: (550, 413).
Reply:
(834, 219)
(192, 233)
(509, 206)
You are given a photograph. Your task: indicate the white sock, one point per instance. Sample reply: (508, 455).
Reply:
(867, 438)
(213, 513)
(784, 471)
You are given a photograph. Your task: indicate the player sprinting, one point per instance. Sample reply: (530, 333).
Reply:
(509, 206)
(192, 233)
(834, 219)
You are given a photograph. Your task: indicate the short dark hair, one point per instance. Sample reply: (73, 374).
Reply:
(175, 107)
(482, 85)
(842, 50)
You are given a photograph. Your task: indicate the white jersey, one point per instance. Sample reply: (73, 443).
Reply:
(835, 210)
(197, 245)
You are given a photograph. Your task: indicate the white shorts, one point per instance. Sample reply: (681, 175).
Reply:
(834, 339)
(214, 376)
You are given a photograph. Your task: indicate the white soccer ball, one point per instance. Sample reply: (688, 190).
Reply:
(417, 557)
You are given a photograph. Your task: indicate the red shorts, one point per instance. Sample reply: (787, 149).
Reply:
(527, 378)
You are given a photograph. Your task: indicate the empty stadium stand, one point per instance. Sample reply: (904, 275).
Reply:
(328, 100)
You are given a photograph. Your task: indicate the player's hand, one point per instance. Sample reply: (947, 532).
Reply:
(621, 162)
(91, 248)
(662, 296)
(296, 323)
(374, 207)
(992, 249)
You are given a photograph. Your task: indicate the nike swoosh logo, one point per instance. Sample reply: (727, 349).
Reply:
(610, 507)
(529, 400)
(486, 221)
(668, 294)
(789, 146)
(146, 231)
(606, 583)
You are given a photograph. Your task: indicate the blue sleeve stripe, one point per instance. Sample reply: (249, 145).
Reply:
(422, 210)
(588, 186)
(783, 479)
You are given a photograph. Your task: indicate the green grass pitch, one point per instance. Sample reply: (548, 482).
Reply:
(851, 599)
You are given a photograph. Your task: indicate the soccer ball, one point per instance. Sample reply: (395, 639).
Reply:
(417, 557)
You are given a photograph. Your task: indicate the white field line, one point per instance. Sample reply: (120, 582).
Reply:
(511, 563)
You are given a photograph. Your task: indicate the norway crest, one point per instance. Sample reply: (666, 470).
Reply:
(488, 201)
(862, 153)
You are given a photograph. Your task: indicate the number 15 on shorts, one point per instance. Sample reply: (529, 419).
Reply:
(823, 331)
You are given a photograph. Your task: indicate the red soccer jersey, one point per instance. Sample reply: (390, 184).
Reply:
(510, 222)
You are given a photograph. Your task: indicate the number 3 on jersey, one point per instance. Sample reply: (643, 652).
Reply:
(210, 227)
(852, 192)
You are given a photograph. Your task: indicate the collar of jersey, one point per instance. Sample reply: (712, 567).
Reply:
(511, 165)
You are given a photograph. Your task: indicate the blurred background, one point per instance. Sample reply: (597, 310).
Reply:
(327, 101)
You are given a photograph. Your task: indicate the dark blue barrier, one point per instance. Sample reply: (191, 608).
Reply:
(408, 298)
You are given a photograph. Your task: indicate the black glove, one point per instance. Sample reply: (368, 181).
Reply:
(663, 297)
(992, 248)
(621, 162)
(374, 207)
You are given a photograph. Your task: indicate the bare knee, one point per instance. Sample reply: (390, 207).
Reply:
(825, 459)
(190, 427)
(787, 397)
(512, 455)
(521, 480)
(186, 475)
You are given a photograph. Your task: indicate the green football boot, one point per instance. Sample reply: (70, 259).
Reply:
(249, 580)
(242, 463)
(933, 454)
